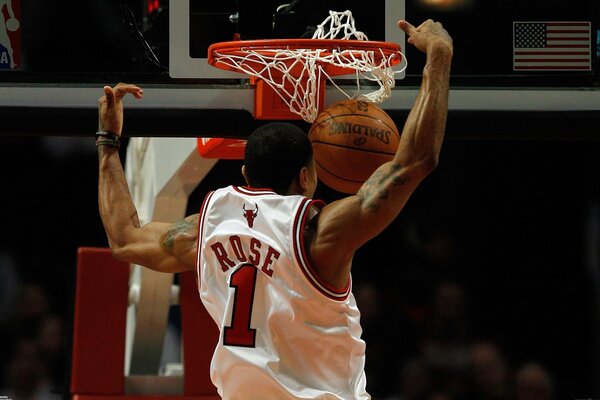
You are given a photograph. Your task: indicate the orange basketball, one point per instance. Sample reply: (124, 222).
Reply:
(350, 140)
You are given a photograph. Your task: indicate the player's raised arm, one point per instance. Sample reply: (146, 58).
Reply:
(347, 224)
(160, 246)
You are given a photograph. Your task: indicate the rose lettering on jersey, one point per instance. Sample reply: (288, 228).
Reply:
(242, 250)
(221, 255)
(271, 253)
(254, 247)
(236, 244)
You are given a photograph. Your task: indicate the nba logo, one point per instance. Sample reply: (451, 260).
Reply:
(10, 34)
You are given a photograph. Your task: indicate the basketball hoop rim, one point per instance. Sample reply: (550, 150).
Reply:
(266, 46)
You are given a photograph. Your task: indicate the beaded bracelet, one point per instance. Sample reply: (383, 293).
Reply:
(106, 138)
(108, 135)
(108, 142)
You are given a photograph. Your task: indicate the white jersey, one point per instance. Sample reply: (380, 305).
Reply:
(284, 333)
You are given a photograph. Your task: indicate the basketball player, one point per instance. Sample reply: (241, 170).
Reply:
(273, 265)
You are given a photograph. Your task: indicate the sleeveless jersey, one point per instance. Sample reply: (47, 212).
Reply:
(284, 333)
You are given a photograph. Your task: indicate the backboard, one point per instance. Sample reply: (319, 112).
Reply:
(488, 35)
(498, 63)
(64, 67)
(196, 24)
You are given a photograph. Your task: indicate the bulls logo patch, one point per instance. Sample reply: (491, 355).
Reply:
(250, 214)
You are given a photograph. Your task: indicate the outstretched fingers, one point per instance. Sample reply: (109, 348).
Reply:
(112, 95)
(406, 27)
(426, 35)
(123, 89)
(411, 30)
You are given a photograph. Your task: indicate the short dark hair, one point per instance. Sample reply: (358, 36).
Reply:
(275, 153)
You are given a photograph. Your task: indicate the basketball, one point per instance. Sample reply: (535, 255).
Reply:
(350, 140)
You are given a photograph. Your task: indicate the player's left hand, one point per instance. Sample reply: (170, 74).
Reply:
(430, 34)
(110, 106)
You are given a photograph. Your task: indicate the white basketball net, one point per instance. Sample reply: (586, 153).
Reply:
(300, 90)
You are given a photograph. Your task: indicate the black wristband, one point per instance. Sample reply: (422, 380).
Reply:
(108, 135)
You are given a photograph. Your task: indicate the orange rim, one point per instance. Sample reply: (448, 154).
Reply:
(267, 46)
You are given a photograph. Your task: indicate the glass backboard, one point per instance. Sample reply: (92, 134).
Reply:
(196, 24)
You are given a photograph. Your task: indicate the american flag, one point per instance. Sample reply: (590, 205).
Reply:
(552, 46)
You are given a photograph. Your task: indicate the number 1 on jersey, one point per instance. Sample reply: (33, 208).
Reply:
(239, 333)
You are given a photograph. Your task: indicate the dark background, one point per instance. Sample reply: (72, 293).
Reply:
(492, 248)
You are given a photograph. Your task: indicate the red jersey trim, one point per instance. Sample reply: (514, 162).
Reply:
(201, 220)
(248, 191)
(302, 258)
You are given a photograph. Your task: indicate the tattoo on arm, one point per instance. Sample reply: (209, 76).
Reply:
(376, 189)
(184, 226)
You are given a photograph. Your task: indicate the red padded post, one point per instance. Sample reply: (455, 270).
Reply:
(101, 295)
(199, 335)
